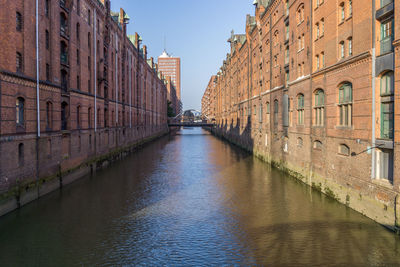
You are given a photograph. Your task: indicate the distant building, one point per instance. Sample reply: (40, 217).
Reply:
(171, 67)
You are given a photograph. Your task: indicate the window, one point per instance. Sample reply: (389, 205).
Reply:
(78, 117)
(290, 108)
(317, 145)
(89, 41)
(287, 31)
(64, 80)
(350, 8)
(47, 40)
(260, 114)
(20, 154)
(47, 8)
(317, 61)
(345, 104)
(341, 13)
(299, 142)
(387, 105)
(89, 118)
(287, 7)
(276, 110)
(78, 7)
(268, 108)
(323, 59)
(350, 42)
(344, 150)
(64, 107)
(300, 109)
(63, 24)
(19, 62)
(49, 115)
(302, 41)
(19, 108)
(386, 36)
(19, 22)
(319, 102)
(64, 53)
(300, 14)
(317, 29)
(341, 50)
(317, 3)
(78, 82)
(384, 164)
(78, 32)
(78, 57)
(89, 17)
(47, 72)
(322, 27)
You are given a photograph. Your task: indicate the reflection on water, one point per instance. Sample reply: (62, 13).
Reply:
(192, 199)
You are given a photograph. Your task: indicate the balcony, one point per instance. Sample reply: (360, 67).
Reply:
(386, 45)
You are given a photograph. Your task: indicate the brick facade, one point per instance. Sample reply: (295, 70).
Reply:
(98, 91)
(309, 87)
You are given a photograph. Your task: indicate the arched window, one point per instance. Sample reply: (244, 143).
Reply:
(350, 46)
(342, 13)
(345, 104)
(341, 49)
(276, 112)
(20, 154)
(19, 108)
(300, 109)
(300, 14)
(64, 116)
(49, 115)
(268, 108)
(317, 145)
(19, 22)
(350, 8)
(319, 102)
(344, 150)
(387, 105)
(299, 142)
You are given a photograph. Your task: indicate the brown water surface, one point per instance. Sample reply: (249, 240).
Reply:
(192, 200)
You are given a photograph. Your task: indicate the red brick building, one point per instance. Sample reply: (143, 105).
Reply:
(310, 87)
(171, 67)
(96, 92)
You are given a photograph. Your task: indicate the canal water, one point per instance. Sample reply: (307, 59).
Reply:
(192, 200)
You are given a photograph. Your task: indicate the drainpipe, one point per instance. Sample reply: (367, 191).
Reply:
(95, 70)
(373, 158)
(130, 90)
(116, 79)
(37, 96)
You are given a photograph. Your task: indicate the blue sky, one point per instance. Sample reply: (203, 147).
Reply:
(196, 31)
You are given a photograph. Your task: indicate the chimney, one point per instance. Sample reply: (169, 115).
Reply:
(137, 40)
(145, 52)
(152, 62)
